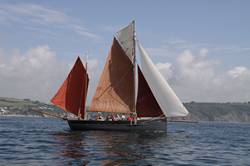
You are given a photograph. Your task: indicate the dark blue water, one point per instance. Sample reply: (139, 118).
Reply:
(40, 141)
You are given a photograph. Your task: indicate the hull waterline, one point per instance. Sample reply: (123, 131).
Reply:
(159, 125)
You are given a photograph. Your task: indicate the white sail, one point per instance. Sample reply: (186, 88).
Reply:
(125, 37)
(165, 96)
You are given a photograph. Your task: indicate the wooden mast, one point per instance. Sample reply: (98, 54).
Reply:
(86, 87)
(80, 106)
(134, 71)
(85, 90)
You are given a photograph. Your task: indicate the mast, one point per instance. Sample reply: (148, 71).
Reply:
(80, 106)
(82, 92)
(134, 72)
(86, 87)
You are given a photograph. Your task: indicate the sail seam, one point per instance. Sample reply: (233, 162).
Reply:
(115, 85)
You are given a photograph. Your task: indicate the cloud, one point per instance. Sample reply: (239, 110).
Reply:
(199, 72)
(165, 69)
(110, 28)
(203, 52)
(36, 73)
(33, 16)
(171, 48)
(85, 32)
(237, 71)
(195, 77)
(34, 13)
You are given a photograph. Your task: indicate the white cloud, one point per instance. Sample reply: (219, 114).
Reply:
(237, 71)
(34, 13)
(203, 52)
(85, 32)
(186, 58)
(165, 69)
(110, 28)
(36, 73)
(195, 77)
(171, 48)
(198, 72)
(33, 16)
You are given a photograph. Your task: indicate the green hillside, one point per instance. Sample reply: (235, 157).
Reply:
(13, 106)
(223, 112)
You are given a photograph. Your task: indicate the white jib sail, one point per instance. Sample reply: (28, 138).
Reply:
(165, 96)
(125, 37)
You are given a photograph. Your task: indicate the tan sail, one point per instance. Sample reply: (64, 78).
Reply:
(115, 91)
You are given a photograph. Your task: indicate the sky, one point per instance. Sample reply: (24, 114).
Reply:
(202, 48)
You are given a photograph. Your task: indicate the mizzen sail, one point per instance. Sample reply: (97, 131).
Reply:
(169, 103)
(115, 90)
(71, 96)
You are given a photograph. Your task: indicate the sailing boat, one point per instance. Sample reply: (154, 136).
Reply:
(125, 87)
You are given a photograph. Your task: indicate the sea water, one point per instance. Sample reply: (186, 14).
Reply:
(41, 141)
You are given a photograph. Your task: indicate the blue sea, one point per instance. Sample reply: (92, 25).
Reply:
(41, 141)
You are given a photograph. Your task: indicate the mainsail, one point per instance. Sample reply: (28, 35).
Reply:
(71, 96)
(115, 91)
(163, 93)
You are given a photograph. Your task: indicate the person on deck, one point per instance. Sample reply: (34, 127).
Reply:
(117, 117)
(123, 117)
(113, 117)
(130, 118)
(99, 117)
(109, 118)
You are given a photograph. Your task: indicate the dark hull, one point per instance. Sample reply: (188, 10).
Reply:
(159, 125)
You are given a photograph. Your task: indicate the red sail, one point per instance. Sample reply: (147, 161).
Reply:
(146, 105)
(72, 94)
